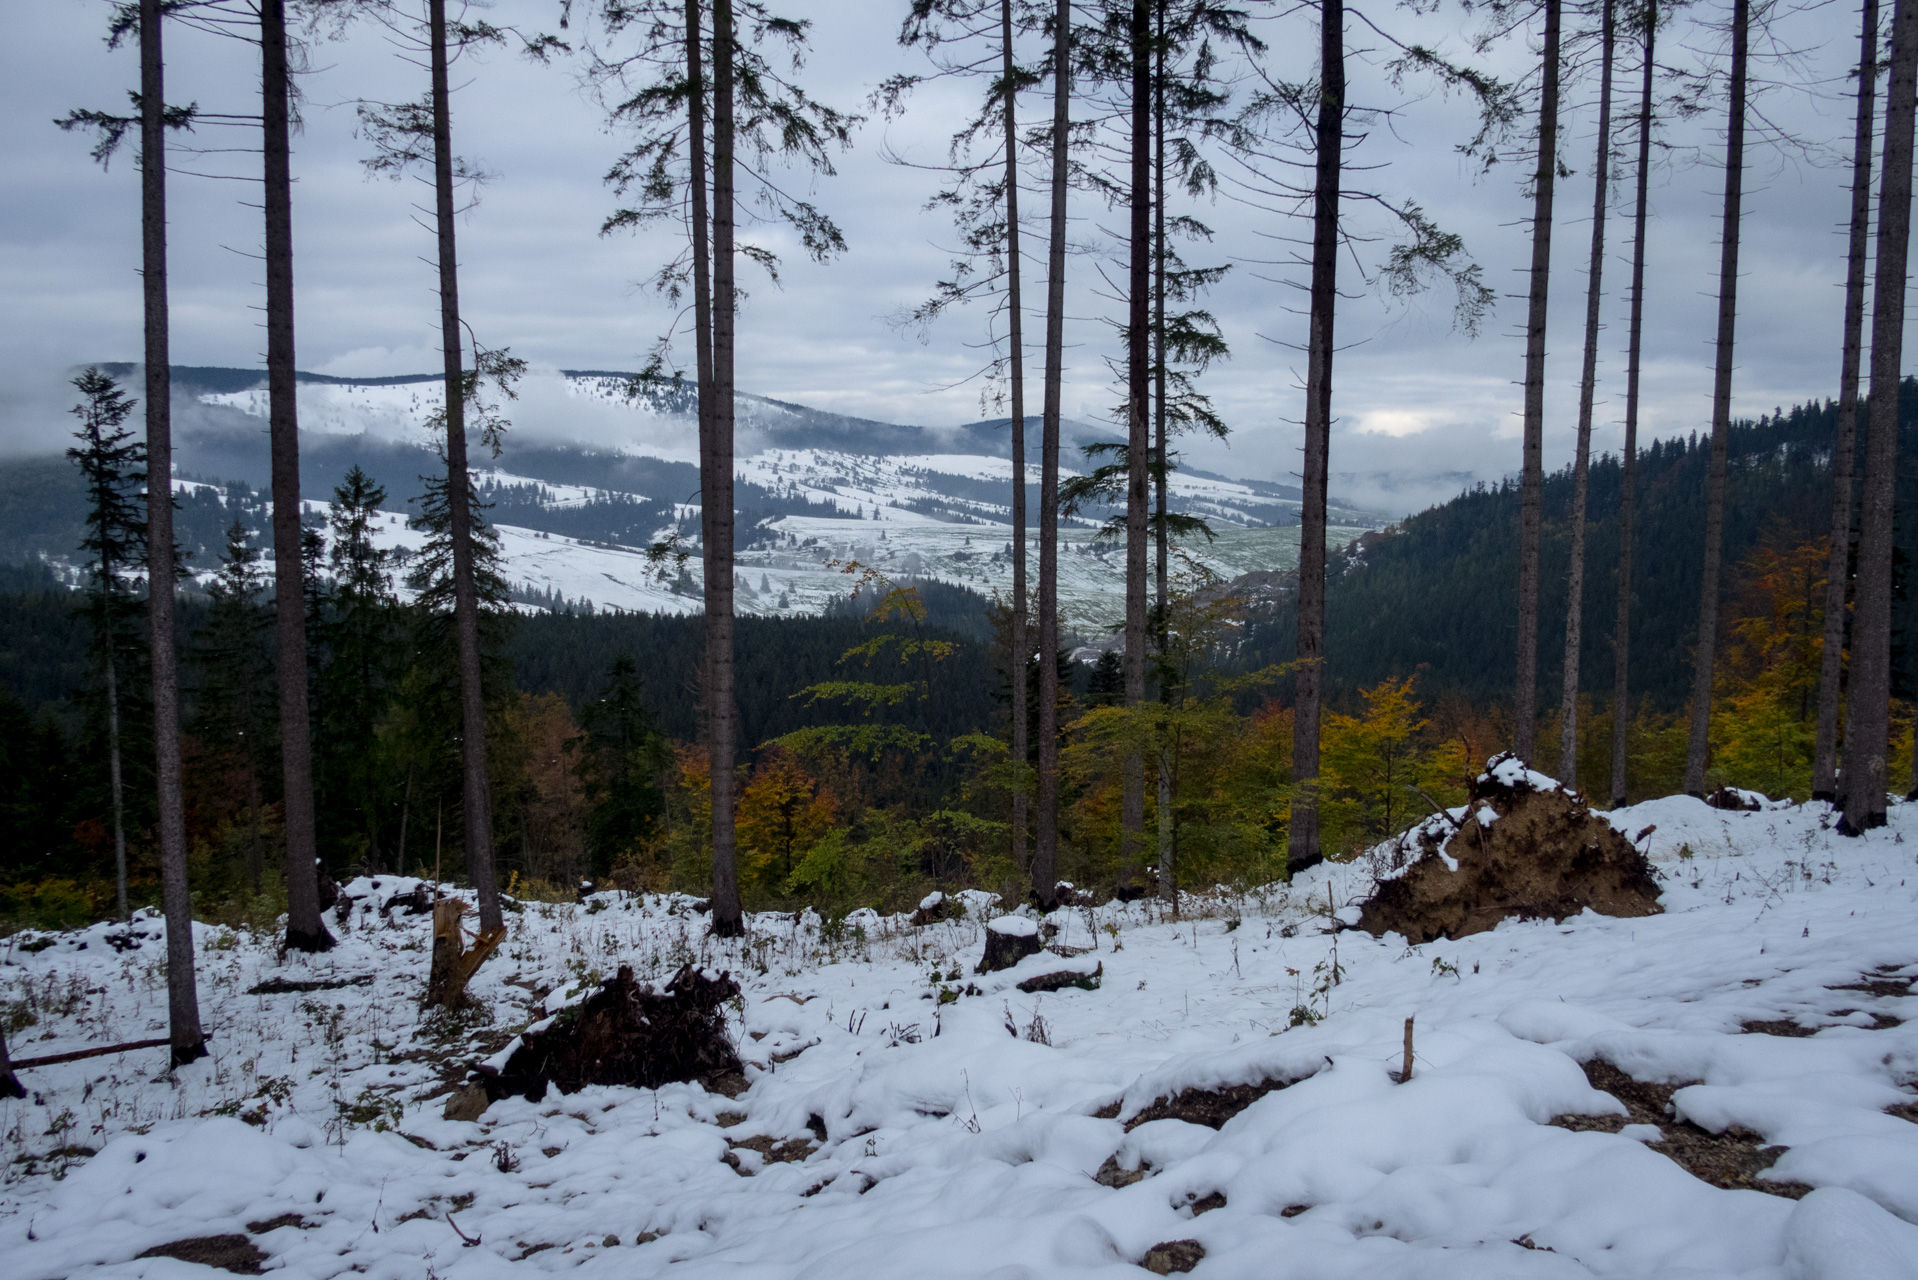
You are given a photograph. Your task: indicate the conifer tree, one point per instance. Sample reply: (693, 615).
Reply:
(1544, 179)
(143, 20)
(113, 466)
(1868, 706)
(984, 198)
(1045, 862)
(357, 679)
(660, 87)
(1698, 746)
(1628, 481)
(1587, 387)
(236, 679)
(304, 929)
(1824, 784)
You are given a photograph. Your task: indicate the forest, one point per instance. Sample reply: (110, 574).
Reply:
(1729, 606)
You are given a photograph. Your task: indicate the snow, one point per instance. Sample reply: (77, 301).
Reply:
(953, 1148)
(1015, 926)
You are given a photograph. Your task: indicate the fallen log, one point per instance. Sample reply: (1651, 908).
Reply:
(55, 1059)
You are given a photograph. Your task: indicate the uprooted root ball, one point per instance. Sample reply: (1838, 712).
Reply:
(1527, 850)
(625, 1033)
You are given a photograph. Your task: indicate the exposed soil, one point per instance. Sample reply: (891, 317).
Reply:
(233, 1253)
(1207, 1203)
(1544, 856)
(626, 1034)
(265, 1225)
(1111, 1175)
(1209, 1107)
(1779, 1029)
(1731, 1160)
(791, 1151)
(281, 987)
(1173, 1256)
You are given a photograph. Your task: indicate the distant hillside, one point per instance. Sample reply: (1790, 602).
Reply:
(604, 475)
(1437, 594)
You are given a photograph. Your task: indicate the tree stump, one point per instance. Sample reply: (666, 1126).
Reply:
(454, 963)
(1009, 939)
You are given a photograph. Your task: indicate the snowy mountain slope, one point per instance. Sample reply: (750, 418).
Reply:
(888, 1134)
(815, 489)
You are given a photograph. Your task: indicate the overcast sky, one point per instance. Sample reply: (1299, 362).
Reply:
(1421, 409)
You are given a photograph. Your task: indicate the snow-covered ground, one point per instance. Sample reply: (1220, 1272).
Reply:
(962, 1139)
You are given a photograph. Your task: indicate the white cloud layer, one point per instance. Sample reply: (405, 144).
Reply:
(1421, 410)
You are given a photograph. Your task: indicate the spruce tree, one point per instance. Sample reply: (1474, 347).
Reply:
(1697, 751)
(113, 467)
(1587, 389)
(1868, 706)
(1628, 479)
(1824, 770)
(1544, 179)
(233, 653)
(358, 677)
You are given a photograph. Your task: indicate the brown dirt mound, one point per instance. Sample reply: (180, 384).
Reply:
(625, 1034)
(233, 1253)
(1209, 1107)
(1545, 856)
(1731, 1160)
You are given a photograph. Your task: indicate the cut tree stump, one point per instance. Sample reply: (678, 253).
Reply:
(1009, 939)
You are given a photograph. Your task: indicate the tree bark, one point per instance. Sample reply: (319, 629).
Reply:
(1138, 434)
(1587, 388)
(1045, 861)
(116, 786)
(1622, 632)
(9, 1083)
(1698, 749)
(1831, 667)
(1015, 342)
(185, 1038)
(1302, 834)
(1532, 477)
(476, 788)
(1867, 732)
(716, 495)
(304, 929)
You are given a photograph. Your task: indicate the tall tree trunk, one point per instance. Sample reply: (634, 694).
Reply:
(1831, 667)
(1532, 476)
(1138, 434)
(1587, 388)
(185, 1039)
(1162, 457)
(476, 790)
(1699, 747)
(1867, 728)
(1045, 861)
(1302, 836)
(304, 929)
(1622, 631)
(716, 494)
(116, 786)
(1015, 341)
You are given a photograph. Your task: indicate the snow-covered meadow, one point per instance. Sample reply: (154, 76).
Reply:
(892, 1130)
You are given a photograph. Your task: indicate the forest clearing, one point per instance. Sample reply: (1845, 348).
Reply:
(903, 1115)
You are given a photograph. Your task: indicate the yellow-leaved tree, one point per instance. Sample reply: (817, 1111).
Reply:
(1380, 772)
